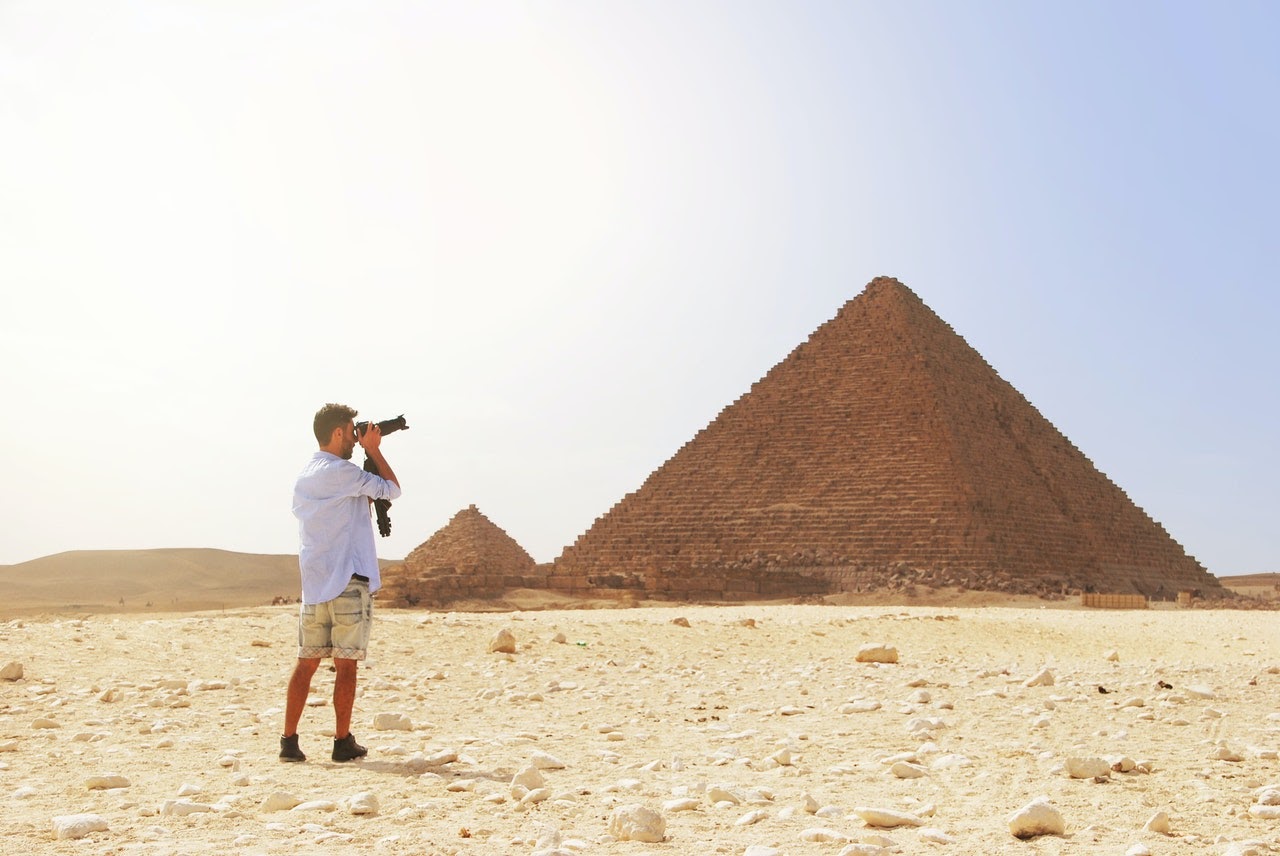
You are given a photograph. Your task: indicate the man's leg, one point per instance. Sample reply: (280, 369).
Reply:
(299, 686)
(344, 695)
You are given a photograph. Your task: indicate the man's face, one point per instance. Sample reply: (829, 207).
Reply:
(348, 444)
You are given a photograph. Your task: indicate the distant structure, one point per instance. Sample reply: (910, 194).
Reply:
(469, 558)
(883, 452)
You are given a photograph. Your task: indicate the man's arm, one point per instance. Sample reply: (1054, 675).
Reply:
(371, 441)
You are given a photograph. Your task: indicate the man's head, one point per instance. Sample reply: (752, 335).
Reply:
(335, 430)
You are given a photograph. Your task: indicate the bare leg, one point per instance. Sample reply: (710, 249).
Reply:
(299, 686)
(344, 695)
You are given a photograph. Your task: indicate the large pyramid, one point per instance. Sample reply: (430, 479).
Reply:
(470, 557)
(883, 449)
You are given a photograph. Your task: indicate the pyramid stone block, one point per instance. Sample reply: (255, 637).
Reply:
(883, 451)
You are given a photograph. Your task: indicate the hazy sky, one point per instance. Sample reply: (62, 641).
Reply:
(561, 236)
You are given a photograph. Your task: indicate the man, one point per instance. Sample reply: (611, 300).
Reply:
(339, 566)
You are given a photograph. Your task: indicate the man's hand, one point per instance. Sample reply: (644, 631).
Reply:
(371, 439)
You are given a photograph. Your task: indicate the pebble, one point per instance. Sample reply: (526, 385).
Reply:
(877, 653)
(12, 671)
(78, 825)
(1088, 768)
(392, 722)
(637, 823)
(1038, 817)
(106, 782)
(1159, 822)
(503, 642)
(886, 818)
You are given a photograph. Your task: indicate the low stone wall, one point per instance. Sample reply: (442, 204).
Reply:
(1113, 601)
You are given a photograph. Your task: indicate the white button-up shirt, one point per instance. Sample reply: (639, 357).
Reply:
(331, 501)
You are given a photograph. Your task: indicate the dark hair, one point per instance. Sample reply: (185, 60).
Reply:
(330, 417)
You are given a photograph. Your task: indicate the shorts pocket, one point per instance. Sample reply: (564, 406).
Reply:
(348, 609)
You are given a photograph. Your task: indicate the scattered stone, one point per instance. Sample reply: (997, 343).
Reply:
(1159, 823)
(822, 835)
(905, 770)
(1138, 849)
(1038, 817)
(680, 622)
(753, 816)
(877, 653)
(363, 803)
(886, 818)
(78, 825)
(503, 642)
(937, 836)
(45, 722)
(681, 804)
(637, 823)
(183, 807)
(392, 722)
(12, 671)
(761, 850)
(106, 782)
(1042, 678)
(862, 848)
(279, 801)
(1112, 656)
(1088, 768)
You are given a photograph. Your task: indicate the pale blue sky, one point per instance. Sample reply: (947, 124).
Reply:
(560, 237)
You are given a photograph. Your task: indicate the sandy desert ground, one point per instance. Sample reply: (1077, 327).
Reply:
(755, 729)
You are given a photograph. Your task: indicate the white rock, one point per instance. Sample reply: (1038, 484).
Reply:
(886, 818)
(78, 825)
(543, 761)
(937, 836)
(1159, 822)
(754, 816)
(1265, 812)
(761, 850)
(1226, 753)
(637, 823)
(316, 805)
(866, 705)
(1042, 678)
(681, 804)
(45, 722)
(904, 770)
(279, 801)
(1112, 656)
(392, 722)
(106, 782)
(503, 642)
(1269, 795)
(364, 802)
(862, 848)
(719, 794)
(1138, 849)
(877, 653)
(182, 808)
(1038, 817)
(822, 835)
(1200, 691)
(1088, 768)
(528, 778)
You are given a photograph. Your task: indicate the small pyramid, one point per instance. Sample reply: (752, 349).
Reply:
(469, 557)
(882, 450)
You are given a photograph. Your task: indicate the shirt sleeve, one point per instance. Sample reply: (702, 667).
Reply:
(372, 486)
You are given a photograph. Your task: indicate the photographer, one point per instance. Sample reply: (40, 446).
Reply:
(339, 566)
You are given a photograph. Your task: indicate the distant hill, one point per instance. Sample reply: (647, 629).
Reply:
(163, 580)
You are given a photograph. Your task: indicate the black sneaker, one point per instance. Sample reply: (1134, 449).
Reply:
(347, 749)
(289, 750)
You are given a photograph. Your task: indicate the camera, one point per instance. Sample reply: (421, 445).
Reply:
(386, 426)
(381, 506)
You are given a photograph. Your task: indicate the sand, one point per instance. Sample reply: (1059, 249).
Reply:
(753, 730)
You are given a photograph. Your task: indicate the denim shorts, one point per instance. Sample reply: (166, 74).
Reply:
(337, 628)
